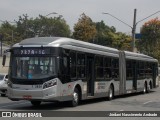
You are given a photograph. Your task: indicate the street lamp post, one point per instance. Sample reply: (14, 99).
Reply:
(133, 28)
(51, 13)
(1, 37)
(54, 13)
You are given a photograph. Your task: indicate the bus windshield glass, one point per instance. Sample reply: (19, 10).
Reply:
(33, 67)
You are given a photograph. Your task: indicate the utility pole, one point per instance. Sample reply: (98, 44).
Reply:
(133, 28)
(134, 31)
(1, 37)
(12, 39)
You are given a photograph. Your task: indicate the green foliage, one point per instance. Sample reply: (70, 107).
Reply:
(41, 26)
(6, 30)
(124, 41)
(150, 42)
(103, 36)
(107, 36)
(85, 29)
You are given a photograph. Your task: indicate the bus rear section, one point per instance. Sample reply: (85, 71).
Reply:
(139, 72)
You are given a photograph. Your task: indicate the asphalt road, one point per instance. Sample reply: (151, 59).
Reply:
(132, 102)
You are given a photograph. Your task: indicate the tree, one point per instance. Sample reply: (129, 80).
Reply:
(8, 31)
(124, 41)
(150, 38)
(43, 26)
(40, 26)
(107, 36)
(84, 29)
(104, 34)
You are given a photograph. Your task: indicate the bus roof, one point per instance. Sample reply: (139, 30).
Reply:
(64, 43)
(139, 56)
(79, 45)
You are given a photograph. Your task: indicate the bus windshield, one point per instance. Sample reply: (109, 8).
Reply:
(33, 67)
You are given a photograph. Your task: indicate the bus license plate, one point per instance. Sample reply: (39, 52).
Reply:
(27, 97)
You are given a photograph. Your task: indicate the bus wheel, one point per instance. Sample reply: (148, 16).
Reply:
(145, 88)
(35, 103)
(75, 98)
(110, 93)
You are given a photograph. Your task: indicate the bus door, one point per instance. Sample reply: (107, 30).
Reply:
(134, 75)
(154, 73)
(90, 75)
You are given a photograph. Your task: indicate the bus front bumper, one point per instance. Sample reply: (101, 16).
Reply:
(49, 94)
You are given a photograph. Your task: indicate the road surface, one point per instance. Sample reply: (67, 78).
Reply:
(133, 102)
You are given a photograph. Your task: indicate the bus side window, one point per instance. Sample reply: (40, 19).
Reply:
(73, 64)
(115, 68)
(99, 68)
(64, 71)
(129, 69)
(108, 68)
(80, 65)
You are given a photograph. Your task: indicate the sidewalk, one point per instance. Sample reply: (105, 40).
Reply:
(4, 69)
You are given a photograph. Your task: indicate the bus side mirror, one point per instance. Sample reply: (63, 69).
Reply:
(4, 60)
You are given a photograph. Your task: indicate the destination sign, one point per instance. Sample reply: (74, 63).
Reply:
(32, 51)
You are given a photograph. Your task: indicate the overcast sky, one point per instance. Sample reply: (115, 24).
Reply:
(72, 9)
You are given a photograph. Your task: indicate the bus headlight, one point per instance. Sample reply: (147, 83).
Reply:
(49, 84)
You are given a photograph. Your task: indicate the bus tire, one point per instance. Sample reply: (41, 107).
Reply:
(35, 103)
(75, 98)
(110, 93)
(145, 88)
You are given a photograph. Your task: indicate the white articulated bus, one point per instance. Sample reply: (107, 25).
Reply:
(63, 69)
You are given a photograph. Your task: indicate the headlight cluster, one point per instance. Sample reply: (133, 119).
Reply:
(49, 84)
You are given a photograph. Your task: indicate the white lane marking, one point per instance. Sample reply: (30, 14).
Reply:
(12, 105)
(121, 110)
(147, 102)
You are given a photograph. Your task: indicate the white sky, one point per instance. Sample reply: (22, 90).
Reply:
(72, 9)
